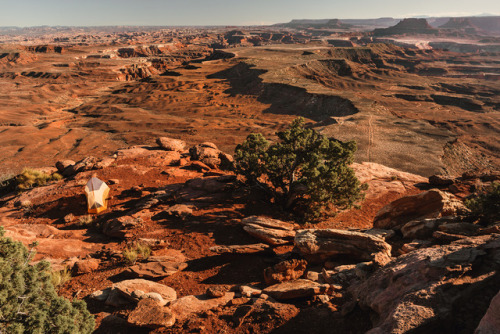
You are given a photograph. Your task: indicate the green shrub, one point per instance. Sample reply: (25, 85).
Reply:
(30, 178)
(485, 205)
(304, 171)
(28, 300)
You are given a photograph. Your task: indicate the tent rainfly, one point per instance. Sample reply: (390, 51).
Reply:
(97, 195)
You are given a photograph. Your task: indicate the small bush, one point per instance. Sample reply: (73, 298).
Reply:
(30, 178)
(60, 277)
(304, 172)
(28, 300)
(485, 205)
(131, 255)
(143, 250)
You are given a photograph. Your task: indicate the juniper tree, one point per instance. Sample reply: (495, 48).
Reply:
(28, 300)
(305, 171)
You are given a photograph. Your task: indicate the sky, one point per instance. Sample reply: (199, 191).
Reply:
(25, 13)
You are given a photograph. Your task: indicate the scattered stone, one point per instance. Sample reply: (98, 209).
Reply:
(197, 166)
(285, 271)
(296, 289)
(116, 299)
(150, 314)
(100, 295)
(238, 301)
(180, 211)
(171, 144)
(414, 245)
(271, 231)
(130, 288)
(240, 249)
(113, 181)
(83, 165)
(61, 165)
(315, 277)
(119, 227)
(342, 275)
(319, 245)
(154, 244)
(209, 145)
(85, 266)
(421, 228)
(429, 204)
(215, 292)
(441, 180)
(381, 233)
(69, 218)
(248, 291)
(155, 270)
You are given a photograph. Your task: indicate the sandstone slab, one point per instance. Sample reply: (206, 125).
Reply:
(319, 245)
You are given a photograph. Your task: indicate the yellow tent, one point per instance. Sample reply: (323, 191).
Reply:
(97, 195)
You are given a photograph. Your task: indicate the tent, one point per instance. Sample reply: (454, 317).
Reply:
(97, 195)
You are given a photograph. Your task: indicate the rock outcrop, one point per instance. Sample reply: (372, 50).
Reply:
(420, 289)
(429, 204)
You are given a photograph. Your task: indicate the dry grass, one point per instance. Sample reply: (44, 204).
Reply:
(30, 178)
(60, 277)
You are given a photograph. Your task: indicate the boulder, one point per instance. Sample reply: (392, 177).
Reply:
(319, 245)
(184, 308)
(285, 271)
(85, 266)
(155, 270)
(150, 314)
(170, 144)
(429, 204)
(61, 165)
(271, 231)
(296, 289)
(490, 323)
(418, 291)
(133, 289)
(440, 180)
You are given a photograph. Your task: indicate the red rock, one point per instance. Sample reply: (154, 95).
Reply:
(285, 271)
(429, 204)
(86, 266)
(150, 314)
